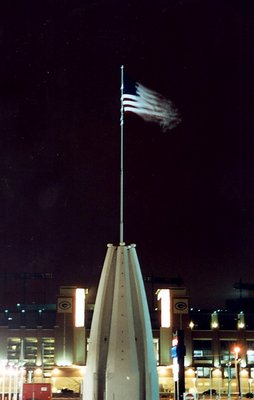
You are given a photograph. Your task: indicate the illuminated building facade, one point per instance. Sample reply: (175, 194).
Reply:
(50, 341)
(47, 342)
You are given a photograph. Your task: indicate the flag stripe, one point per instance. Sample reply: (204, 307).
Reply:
(149, 105)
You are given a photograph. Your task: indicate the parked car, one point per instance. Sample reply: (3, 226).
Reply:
(66, 390)
(207, 392)
(249, 395)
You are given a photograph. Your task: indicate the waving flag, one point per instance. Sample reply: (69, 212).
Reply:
(149, 105)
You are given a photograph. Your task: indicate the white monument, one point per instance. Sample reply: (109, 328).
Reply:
(121, 361)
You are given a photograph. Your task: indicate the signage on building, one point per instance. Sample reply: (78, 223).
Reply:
(180, 305)
(174, 346)
(64, 305)
(178, 347)
(174, 352)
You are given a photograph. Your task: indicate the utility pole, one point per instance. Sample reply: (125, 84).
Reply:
(181, 351)
(178, 352)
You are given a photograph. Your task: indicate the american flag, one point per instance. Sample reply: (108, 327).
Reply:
(149, 105)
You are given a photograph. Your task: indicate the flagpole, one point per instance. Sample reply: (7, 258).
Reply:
(121, 161)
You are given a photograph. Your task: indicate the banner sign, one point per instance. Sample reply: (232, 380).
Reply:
(180, 305)
(64, 305)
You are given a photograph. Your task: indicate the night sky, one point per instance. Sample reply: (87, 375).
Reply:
(189, 193)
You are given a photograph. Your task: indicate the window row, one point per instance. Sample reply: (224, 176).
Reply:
(228, 351)
(28, 351)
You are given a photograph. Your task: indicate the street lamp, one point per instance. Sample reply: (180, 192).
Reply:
(250, 382)
(10, 374)
(217, 373)
(229, 379)
(3, 364)
(15, 384)
(211, 383)
(237, 372)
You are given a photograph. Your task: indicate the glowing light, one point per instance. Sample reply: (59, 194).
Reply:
(217, 372)
(55, 371)
(38, 371)
(64, 363)
(190, 372)
(163, 371)
(236, 351)
(82, 369)
(80, 308)
(240, 321)
(214, 320)
(164, 296)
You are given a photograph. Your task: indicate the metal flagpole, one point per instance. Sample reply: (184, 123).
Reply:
(121, 160)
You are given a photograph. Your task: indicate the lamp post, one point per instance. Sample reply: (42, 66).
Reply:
(15, 384)
(218, 374)
(210, 379)
(237, 372)
(229, 380)
(250, 383)
(194, 380)
(3, 380)
(10, 373)
(21, 382)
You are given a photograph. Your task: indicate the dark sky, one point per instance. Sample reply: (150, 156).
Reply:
(189, 193)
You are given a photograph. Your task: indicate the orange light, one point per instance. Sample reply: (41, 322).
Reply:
(236, 351)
